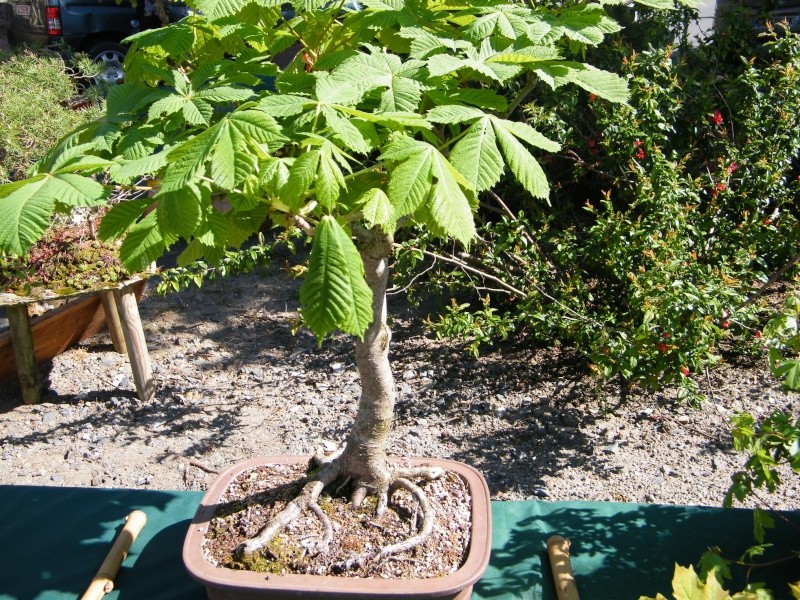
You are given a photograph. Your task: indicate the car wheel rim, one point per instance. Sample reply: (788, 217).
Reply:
(111, 66)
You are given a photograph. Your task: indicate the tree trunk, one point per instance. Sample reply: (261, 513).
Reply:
(364, 458)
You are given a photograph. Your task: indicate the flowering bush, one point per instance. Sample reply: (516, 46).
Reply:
(665, 217)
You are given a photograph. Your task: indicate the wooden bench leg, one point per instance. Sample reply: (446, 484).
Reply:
(113, 322)
(131, 323)
(24, 353)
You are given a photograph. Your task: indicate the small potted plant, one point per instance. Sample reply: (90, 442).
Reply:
(386, 115)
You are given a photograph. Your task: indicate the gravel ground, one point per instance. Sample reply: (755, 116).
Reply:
(234, 382)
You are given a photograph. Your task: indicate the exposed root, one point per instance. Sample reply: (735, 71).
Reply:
(427, 517)
(383, 501)
(423, 472)
(327, 526)
(325, 470)
(308, 496)
(358, 495)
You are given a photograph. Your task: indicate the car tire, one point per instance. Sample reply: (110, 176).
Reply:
(110, 56)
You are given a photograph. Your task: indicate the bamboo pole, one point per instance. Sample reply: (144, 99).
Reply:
(558, 549)
(131, 323)
(24, 353)
(103, 581)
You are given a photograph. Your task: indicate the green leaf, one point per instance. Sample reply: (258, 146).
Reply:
(482, 98)
(345, 131)
(283, 105)
(410, 183)
(121, 217)
(224, 93)
(334, 294)
(377, 209)
(187, 161)
(129, 171)
(72, 190)
(789, 370)
(25, 214)
(604, 84)
(258, 126)
(762, 521)
(477, 157)
(302, 174)
(449, 207)
(143, 244)
(179, 211)
(27, 207)
(329, 179)
(712, 564)
(217, 9)
(528, 134)
(523, 165)
(453, 113)
(175, 40)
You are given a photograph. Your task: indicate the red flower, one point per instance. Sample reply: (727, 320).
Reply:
(767, 221)
(715, 117)
(639, 154)
(720, 187)
(731, 167)
(725, 324)
(757, 334)
(592, 97)
(685, 371)
(662, 347)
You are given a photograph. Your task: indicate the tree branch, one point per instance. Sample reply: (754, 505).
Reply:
(459, 263)
(772, 279)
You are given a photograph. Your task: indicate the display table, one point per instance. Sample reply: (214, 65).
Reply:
(52, 541)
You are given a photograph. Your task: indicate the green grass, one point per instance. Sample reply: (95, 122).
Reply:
(33, 84)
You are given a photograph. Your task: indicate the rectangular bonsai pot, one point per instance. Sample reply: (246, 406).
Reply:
(228, 584)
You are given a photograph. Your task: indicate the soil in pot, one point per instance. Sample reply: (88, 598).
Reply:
(255, 495)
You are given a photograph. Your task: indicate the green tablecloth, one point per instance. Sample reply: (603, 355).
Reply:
(52, 541)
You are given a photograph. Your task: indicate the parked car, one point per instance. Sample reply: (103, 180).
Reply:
(95, 27)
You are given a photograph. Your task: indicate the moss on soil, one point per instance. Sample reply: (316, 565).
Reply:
(65, 261)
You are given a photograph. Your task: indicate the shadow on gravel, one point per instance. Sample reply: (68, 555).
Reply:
(162, 418)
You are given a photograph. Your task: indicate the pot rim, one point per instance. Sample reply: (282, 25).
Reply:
(221, 577)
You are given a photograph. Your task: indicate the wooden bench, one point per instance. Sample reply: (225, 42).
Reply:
(30, 341)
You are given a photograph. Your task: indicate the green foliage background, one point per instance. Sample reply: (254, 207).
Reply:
(667, 214)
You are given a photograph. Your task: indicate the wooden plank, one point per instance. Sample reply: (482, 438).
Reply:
(24, 353)
(113, 322)
(53, 332)
(135, 342)
(38, 295)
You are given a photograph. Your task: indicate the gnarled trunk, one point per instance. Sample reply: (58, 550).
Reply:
(364, 458)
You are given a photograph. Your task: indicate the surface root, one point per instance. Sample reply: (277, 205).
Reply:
(324, 472)
(306, 498)
(427, 517)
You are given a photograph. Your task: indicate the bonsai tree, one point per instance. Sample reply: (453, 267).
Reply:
(386, 115)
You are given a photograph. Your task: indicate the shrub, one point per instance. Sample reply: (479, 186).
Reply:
(36, 87)
(665, 217)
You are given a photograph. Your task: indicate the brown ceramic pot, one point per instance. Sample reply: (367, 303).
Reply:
(229, 584)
